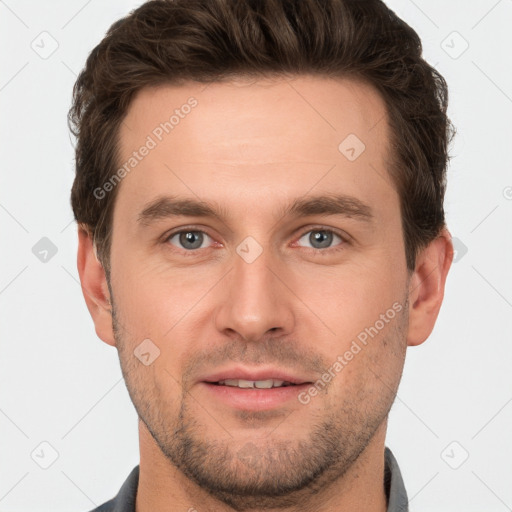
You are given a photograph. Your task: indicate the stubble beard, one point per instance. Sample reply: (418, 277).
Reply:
(264, 473)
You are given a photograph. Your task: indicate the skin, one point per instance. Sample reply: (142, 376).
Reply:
(296, 306)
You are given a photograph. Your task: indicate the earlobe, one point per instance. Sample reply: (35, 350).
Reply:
(426, 287)
(94, 286)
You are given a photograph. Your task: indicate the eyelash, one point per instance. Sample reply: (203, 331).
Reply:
(329, 250)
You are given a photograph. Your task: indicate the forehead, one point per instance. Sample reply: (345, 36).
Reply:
(304, 109)
(243, 140)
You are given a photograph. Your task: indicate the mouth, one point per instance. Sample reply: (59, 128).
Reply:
(243, 389)
(254, 384)
(262, 378)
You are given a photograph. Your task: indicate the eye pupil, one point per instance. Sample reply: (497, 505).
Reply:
(323, 237)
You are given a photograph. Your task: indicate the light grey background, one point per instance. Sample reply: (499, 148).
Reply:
(60, 384)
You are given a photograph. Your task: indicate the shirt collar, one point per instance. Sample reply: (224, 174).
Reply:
(394, 484)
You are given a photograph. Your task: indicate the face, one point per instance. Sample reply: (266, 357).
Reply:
(293, 270)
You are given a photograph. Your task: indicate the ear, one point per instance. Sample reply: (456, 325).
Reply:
(94, 286)
(426, 287)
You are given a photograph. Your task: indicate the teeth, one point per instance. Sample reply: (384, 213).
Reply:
(265, 384)
(260, 384)
(245, 383)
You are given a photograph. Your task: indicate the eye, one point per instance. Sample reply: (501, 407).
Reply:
(322, 239)
(189, 239)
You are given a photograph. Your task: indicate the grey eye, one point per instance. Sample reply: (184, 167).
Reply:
(189, 239)
(320, 238)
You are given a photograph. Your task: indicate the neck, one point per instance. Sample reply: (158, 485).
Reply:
(163, 487)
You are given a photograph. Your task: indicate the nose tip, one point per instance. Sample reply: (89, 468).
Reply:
(249, 327)
(256, 302)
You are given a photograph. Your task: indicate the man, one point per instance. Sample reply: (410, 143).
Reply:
(259, 192)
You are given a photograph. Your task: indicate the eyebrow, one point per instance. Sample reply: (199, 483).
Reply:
(326, 204)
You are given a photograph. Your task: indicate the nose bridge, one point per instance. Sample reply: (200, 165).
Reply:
(256, 301)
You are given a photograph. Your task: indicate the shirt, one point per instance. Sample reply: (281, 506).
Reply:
(396, 494)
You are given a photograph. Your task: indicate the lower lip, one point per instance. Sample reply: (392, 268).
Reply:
(255, 399)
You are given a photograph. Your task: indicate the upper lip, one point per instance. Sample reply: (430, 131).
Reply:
(255, 374)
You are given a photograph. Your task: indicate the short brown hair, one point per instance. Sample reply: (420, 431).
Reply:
(174, 41)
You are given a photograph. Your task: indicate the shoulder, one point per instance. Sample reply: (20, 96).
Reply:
(125, 498)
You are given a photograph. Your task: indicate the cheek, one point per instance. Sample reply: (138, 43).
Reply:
(167, 308)
(368, 365)
(365, 310)
(350, 298)
(151, 298)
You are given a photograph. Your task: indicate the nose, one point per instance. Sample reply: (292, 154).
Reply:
(256, 300)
